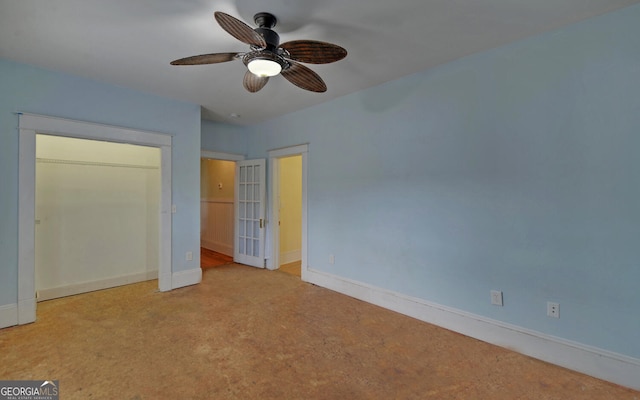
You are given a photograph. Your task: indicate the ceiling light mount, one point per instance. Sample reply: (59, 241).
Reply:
(265, 20)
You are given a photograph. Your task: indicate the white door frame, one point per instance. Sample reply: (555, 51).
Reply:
(29, 125)
(215, 155)
(274, 156)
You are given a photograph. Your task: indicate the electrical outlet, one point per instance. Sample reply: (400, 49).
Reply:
(174, 209)
(332, 259)
(189, 256)
(553, 309)
(496, 298)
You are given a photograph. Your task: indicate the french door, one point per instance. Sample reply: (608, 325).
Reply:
(249, 213)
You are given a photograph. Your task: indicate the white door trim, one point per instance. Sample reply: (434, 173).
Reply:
(274, 189)
(29, 125)
(216, 155)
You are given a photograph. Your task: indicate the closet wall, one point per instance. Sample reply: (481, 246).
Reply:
(97, 215)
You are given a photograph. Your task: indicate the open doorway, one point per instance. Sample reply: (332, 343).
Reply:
(217, 179)
(290, 213)
(288, 209)
(217, 194)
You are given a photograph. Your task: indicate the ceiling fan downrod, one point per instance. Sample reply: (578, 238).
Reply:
(265, 22)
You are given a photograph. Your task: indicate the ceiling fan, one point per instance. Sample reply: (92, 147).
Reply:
(268, 57)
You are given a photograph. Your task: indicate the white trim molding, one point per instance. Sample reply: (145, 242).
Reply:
(289, 151)
(89, 130)
(84, 287)
(26, 225)
(186, 278)
(166, 218)
(8, 315)
(216, 155)
(596, 362)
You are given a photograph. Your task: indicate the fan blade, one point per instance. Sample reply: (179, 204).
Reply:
(253, 83)
(313, 51)
(304, 78)
(239, 30)
(205, 59)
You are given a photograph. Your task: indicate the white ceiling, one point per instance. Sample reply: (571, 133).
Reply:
(131, 42)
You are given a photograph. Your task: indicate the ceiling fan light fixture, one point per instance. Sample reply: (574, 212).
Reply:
(268, 57)
(264, 67)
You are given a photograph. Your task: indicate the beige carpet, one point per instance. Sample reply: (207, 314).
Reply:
(291, 268)
(248, 333)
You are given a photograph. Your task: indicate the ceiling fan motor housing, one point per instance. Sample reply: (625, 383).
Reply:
(265, 22)
(271, 37)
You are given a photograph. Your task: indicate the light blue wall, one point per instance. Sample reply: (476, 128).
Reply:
(224, 138)
(516, 169)
(28, 89)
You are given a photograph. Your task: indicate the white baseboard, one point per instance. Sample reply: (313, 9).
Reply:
(164, 282)
(218, 247)
(599, 363)
(8, 315)
(186, 278)
(69, 290)
(27, 311)
(290, 256)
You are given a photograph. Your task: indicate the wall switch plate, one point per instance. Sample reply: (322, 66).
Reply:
(189, 256)
(496, 298)
(553, 309)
